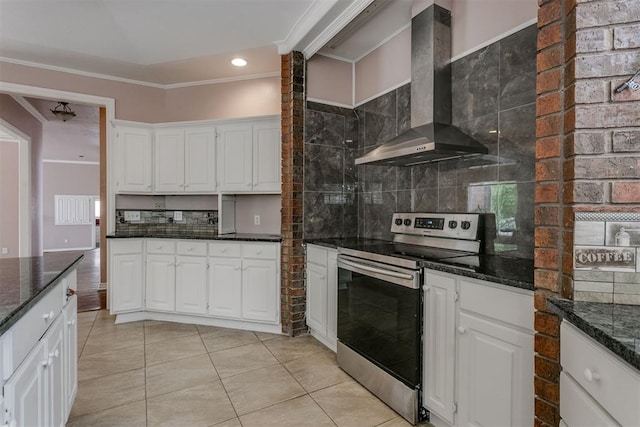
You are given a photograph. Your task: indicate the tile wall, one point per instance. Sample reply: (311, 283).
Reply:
(606, 266)
(162, 222)
(493, 99)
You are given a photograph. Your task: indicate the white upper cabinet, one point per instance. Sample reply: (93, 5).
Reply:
(184, 160)
(133, 153)
(249, 156)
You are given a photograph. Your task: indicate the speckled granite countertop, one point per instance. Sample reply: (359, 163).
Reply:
(615, 326)
(249, 237)
(515, 272)
(24, 281)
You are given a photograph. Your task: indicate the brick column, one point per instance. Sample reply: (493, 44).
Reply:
(293, 293)
(587, 151)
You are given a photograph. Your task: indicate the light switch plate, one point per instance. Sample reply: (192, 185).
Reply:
(132, 215)
(177, 216)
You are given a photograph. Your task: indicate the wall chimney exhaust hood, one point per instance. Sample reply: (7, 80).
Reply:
(431, 138)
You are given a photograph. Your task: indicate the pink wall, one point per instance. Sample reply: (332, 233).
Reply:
(330, 80)
(63, 179)
(14, 114)
(9, 211)
(267, 206)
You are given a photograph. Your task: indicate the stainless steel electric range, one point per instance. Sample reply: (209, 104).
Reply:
(380, 302)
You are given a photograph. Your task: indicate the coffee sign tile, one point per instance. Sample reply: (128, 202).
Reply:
(605, 258)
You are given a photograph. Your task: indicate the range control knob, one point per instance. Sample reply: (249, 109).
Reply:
(465, 225)
(453, 224)
(398, 221)
(407, 222)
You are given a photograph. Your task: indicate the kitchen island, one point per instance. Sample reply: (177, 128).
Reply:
(38, 342)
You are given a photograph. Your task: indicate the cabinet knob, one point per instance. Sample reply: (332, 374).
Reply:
(158, 247)
(190, 249)
(54, 354)
(71, 322)
(258, 252)
(461, 329)
(48, 316)
(590, 375)
(322, 276)
(47, 363)
(224, 250)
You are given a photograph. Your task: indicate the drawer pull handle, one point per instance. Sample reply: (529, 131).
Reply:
(48, 316)
(590, 375)
(461, 329)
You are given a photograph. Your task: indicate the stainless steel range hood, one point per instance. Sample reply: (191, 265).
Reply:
(432, 137)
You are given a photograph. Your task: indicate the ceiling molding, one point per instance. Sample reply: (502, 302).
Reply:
(334, 28)
(30, 108)
(224, 80)
(309, 19)
(336, 57)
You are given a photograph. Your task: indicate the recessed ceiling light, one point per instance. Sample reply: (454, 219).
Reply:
(239, 62)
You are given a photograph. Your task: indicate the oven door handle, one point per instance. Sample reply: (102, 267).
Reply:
(377, 270)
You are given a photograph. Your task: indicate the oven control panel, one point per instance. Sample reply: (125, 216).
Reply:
(449, 225)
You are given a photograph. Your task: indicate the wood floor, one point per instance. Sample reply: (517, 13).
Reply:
(89, 281)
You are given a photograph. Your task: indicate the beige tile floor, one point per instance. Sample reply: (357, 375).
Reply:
(169, 374)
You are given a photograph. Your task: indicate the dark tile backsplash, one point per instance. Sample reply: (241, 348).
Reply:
(493, 92)
(162, 222)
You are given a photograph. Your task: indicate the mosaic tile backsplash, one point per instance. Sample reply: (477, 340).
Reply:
(606, 267)
(164, 222)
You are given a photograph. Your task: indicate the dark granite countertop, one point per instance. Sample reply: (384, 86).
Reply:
(615, 326)
(515, 272)
(24, 281)
(248, 237)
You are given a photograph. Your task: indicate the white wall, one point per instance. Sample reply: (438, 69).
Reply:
(267, 206)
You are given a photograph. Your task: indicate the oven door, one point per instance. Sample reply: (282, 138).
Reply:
(379, 315)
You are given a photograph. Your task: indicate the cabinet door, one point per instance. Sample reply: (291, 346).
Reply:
(439, 345)
(70, 353)
(25, 392)
(134, 154)
(126, 283)
(495, 374)
(225, 287)
(317, 298)
(160, 282)
(191, 284)
(266, 157)
(169, 161)
(200, 160)
(54, 371)
(260, 290)
(234, 157)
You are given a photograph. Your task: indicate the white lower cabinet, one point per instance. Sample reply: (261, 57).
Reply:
(126, 281)
(478, 355)
(42, 388)
(322, 294)
(225, 287)
(191, 284)
(259, 285)
(597, 388)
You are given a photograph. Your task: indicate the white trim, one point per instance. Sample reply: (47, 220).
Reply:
(336, 57)
(404, 27)
(223, 80)
(30, 108)
(353, 85)
(309, 19)
(396, 86)
(67, 249)
(72, 162)
(209, 122)
(325, 102)
(24, 187)
(335, 26)
(131, 81)
(495, 39)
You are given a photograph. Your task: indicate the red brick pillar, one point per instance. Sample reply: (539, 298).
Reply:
(292, 256)
(550, 232)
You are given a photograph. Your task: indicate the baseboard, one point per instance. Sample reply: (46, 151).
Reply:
(67, 249)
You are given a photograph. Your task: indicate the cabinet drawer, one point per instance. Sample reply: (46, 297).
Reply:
(259, 251)
(126, 246)
(157, 246)
(192, 247)
(613, 384)
(316, 255)
(509, 306)
(578, 409)
(22, 336)
(226, 250)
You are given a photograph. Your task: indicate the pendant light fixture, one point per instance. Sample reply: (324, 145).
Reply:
(63, 112)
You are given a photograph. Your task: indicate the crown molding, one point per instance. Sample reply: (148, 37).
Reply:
(223, 80)
(334, 27)
(307, 21)
(30, 108)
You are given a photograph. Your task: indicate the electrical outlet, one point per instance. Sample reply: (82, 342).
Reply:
(177, 215)
(256, 220)
(5, 251)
